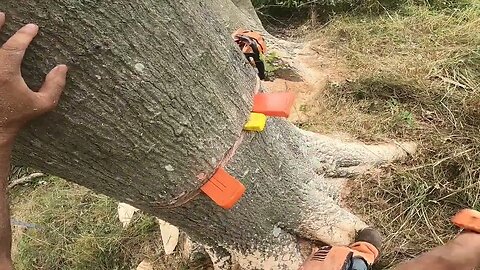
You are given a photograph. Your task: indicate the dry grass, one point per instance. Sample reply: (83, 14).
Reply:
(415, 76)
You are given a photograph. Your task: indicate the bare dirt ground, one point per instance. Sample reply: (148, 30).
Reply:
(314, 66)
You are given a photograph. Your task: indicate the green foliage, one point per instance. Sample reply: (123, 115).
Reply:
(273, 63)
(327, 8)
(407, 117)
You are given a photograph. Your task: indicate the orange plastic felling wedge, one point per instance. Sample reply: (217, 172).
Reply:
(274, 104)
(224, 189)
(468, 219)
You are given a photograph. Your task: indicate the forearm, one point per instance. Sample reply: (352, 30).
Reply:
(18, 105)
(462, 253)
(5, 229)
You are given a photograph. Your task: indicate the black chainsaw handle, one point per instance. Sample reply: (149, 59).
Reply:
(255, 55)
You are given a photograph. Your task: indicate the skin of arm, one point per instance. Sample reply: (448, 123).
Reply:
(18, 105)
(462, 253)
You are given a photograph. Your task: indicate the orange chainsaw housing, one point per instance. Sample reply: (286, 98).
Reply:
(253, 47)
(257, 37)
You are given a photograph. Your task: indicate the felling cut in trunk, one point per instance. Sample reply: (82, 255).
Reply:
(158, 94)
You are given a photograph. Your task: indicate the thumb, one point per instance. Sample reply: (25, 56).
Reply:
(52, 88)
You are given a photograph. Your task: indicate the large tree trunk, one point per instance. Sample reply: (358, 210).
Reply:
(157, 95)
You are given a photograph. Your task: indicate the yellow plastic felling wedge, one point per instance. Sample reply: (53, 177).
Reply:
(256, 122)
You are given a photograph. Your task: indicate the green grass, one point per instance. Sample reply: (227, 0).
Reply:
(415, 76)
(77, 229)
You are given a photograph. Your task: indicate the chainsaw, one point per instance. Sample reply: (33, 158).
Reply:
(253, 47)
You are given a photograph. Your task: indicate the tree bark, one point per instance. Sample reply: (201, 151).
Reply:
(156, 97)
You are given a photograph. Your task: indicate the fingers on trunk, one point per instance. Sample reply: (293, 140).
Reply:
(2, 19)
(52, 89)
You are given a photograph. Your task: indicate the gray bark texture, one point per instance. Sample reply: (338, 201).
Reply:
(157, 95)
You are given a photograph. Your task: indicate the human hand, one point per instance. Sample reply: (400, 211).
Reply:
(18, 103)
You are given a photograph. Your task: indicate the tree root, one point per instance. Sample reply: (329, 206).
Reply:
(339, 159)
(282, 254)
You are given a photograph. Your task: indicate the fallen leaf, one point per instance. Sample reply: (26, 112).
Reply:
(145, 265)
(170, 236)
(125, 213)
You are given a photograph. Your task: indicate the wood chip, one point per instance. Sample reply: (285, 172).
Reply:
(170, 235)
(145, 265)
(125, 213)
